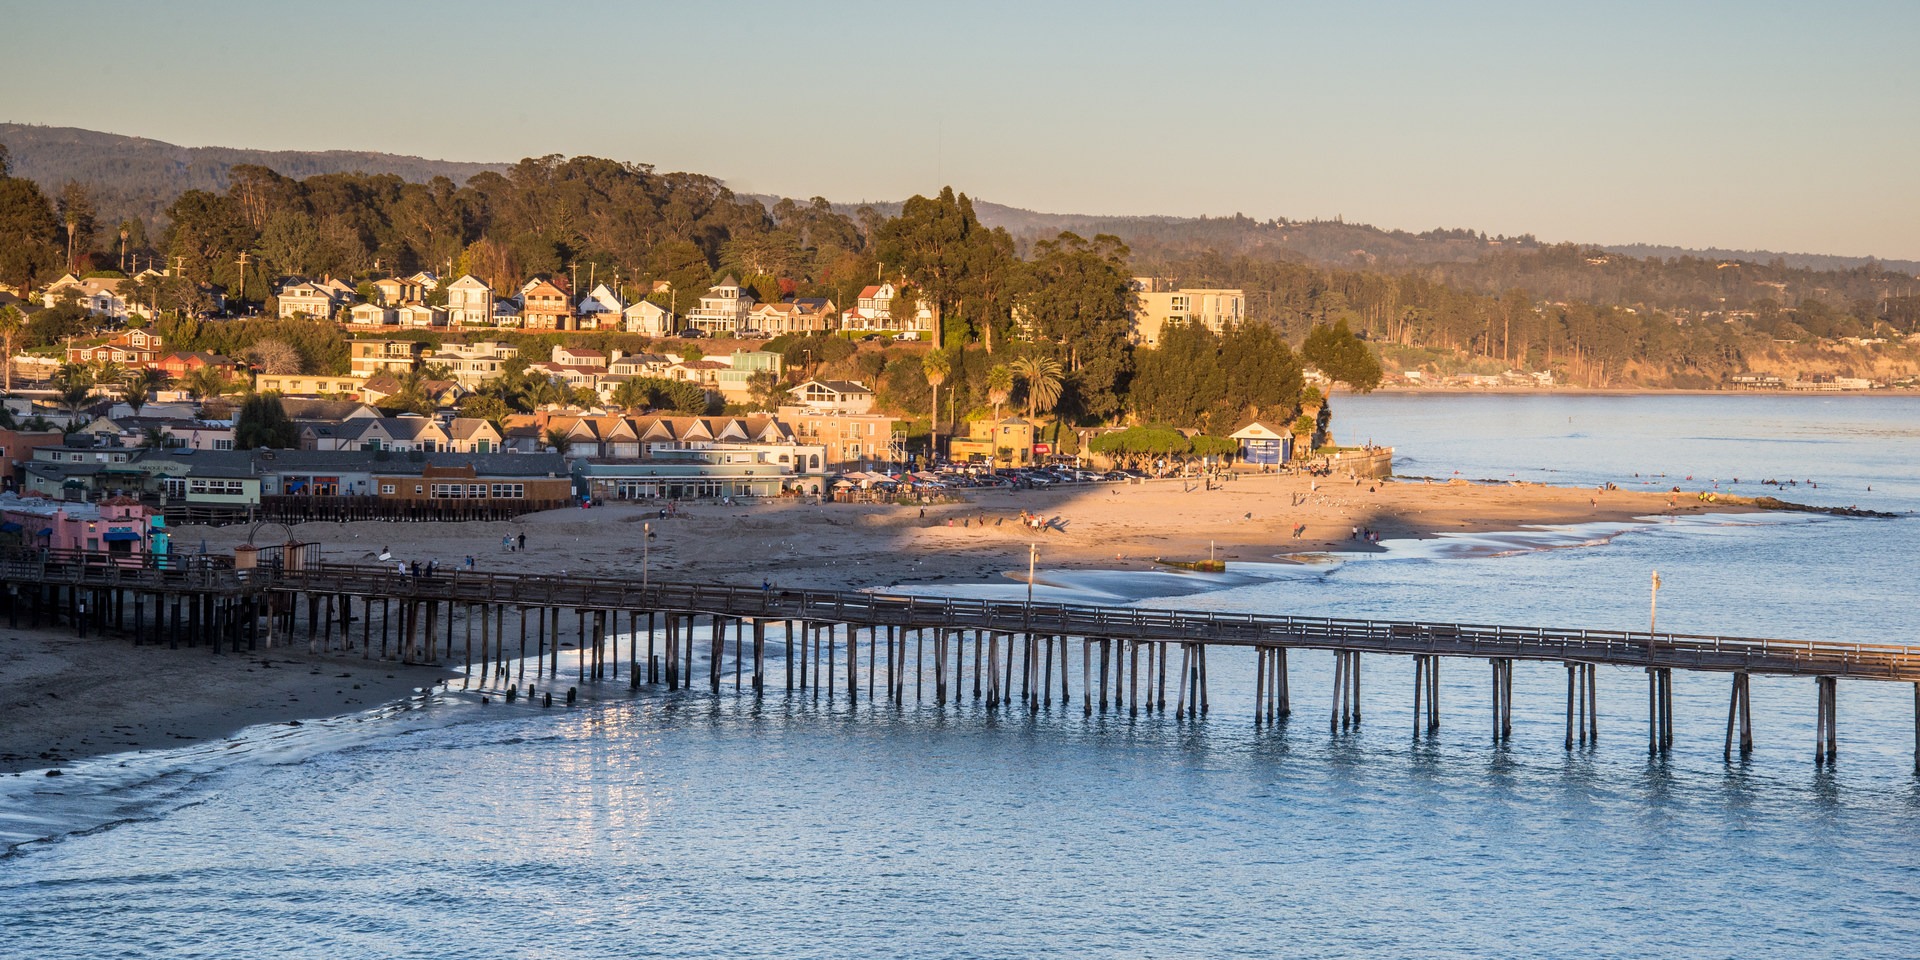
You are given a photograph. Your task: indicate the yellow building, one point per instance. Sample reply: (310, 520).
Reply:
(1159, 302)
(1004, 443)
(297, 385)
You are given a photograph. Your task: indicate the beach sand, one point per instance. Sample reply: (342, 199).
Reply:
(63, 698)
(1122, 526)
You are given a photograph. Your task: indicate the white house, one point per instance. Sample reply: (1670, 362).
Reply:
(307, 298)
(421, 315)
(469, 303)
(601, 307)
(723, 310)
(648, 318)
(371, 315)
(99, 296)
(640, 365)
(842, 396)
(876, 310)
(578, 357)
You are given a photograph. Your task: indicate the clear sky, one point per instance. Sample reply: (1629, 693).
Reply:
(1758, 124)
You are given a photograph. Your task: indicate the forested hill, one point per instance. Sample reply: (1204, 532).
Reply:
(133, 177)
(1325, 242)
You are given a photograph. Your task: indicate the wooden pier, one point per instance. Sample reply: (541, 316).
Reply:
(1003, 653)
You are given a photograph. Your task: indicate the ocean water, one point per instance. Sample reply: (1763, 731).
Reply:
(690, 825)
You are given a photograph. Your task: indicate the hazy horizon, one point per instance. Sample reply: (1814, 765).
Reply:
(1778, 130)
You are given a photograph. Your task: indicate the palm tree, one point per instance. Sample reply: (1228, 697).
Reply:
(937, 365)
(632, 393)
(12, 322)
(412, 394)
(999, 387)
(207, 383)
(557, 439)
(540, 391)
(139, 386)
(155, 438)
(109, 372)
(72, 374)
(75, 397)
(1042, 377)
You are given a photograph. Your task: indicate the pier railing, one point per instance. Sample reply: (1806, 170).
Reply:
(154, 572)
(1621, 648)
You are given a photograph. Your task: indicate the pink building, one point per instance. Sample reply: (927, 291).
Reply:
(118, 526)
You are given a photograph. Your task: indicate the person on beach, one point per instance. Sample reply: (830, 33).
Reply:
(523, 542)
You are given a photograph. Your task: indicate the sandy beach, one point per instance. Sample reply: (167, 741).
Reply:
(1122, 526)
(63, 698)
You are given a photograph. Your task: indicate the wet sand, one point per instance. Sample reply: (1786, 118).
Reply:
(62, 697)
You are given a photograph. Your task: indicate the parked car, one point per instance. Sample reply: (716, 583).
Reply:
(692, 333)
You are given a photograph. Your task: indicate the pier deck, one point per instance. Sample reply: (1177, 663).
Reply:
(1621, 648)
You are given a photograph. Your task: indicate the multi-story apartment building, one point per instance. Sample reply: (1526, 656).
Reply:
(851, 440)
(471, 364)
(370, 357)
(1158, 302)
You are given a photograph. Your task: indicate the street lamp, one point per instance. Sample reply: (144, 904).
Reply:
(1033, 557)
(646, 551)
(1653, 612)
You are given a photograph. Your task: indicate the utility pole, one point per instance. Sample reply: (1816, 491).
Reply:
(243, 261)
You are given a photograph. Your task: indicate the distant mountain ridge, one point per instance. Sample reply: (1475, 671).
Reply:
(1805, 261)
(139, 177)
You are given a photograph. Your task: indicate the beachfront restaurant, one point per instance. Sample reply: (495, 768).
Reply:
(689, 477)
